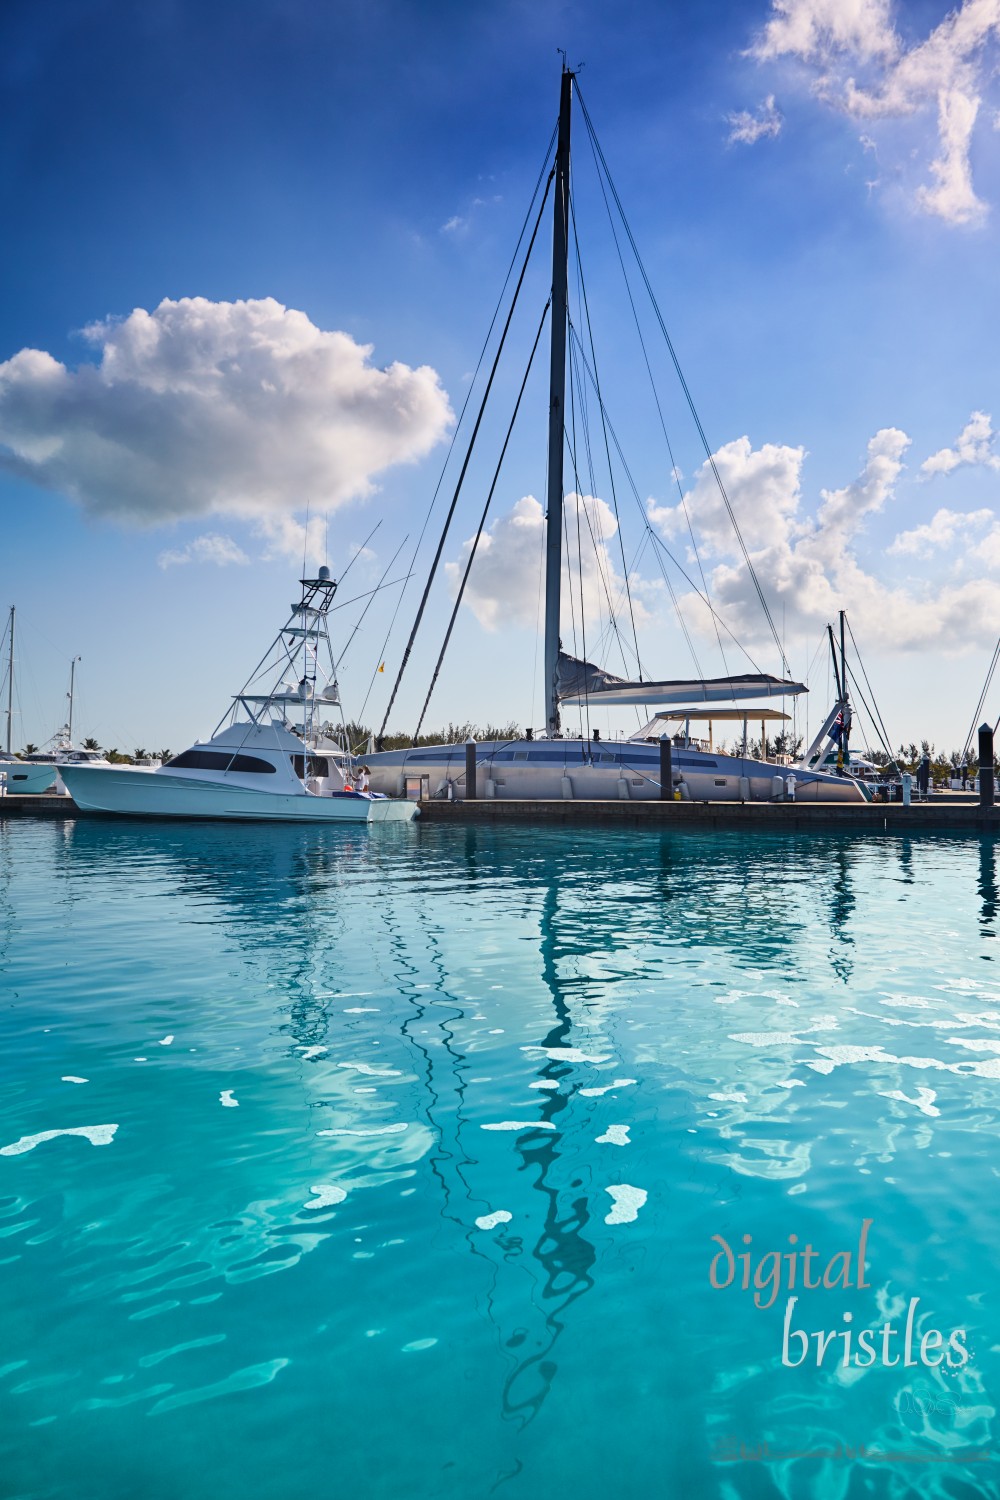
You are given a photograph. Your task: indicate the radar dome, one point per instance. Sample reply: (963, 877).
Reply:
(324, 574)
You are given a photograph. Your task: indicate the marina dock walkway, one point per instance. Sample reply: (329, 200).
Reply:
(945, 813)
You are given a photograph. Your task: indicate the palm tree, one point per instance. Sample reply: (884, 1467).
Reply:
(29, 749)
(91, 744)
(139, 754)
(165, 755)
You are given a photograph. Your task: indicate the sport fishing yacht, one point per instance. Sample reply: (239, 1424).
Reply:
(274, 757)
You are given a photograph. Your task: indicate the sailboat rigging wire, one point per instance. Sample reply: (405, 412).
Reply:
(878, 723)
(538, 615)
(585, 424)
(612, 608)
(482, 522)
(369, 594)
(657, 540)
(982, 701)
(674, 470)
(685, 388)
(578, 393)
(572, 605)
(372, 596)
(872, 712)
(472, 385)
(468, 456)
(574, 348)
(612, 612)
(607, 448)
(579, 544)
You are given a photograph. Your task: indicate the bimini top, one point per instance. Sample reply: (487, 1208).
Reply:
(579, 682)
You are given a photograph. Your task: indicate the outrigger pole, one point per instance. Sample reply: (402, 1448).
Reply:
(557, 406)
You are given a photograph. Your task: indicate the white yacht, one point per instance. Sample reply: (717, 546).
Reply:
(34, 774)
(41, 771)
(274, 757)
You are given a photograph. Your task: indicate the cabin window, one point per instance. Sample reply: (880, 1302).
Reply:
(219, 760)
(318, 766)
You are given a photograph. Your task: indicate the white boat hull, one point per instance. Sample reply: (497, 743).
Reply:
(27, 780)
(157, 794)
(600, 771)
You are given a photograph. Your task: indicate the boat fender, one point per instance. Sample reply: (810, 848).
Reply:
(683, 792)
(777, 787)
(491, 787)
(744, 788)
(567, 788)
(622, 789)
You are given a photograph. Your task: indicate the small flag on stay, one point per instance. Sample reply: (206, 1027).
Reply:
(382, 667)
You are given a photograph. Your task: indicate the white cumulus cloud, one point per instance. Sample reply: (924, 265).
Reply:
(861, 66)
(818, 29)
(198, 408)
(506, 576)
(746, 128)
(974, 445)
(941, 531)
(285, 537)
(210, 548)
(810, 566)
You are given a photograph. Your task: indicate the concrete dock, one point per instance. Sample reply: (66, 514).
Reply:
(944, 813)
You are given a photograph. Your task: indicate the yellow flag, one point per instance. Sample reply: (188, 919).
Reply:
(382, 667)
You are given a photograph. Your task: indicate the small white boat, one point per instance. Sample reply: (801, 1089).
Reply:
(273, 758)
(33, 775)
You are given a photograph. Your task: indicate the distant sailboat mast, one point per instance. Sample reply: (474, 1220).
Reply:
(69, 695)
(557, 407)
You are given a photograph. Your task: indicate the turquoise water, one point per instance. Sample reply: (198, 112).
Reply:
(219, 1293)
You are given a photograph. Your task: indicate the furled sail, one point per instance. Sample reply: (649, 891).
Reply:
(579, 681)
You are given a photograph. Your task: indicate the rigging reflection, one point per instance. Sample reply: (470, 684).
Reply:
(987, 891)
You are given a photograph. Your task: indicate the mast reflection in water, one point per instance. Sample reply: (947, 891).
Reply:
(420, 1144)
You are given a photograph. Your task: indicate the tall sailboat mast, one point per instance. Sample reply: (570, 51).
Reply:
(557, 406)
(10, 680)
(69, 695)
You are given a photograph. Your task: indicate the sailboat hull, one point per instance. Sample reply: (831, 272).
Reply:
(600, 771)
(153, 794)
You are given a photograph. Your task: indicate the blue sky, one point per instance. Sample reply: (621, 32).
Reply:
(814, 187)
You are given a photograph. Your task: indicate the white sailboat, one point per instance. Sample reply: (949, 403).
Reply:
(274, 757)
(551, 764)
(34, 774)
